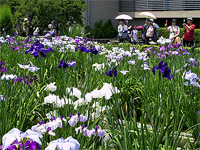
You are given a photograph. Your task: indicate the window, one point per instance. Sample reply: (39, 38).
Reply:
(158, 5)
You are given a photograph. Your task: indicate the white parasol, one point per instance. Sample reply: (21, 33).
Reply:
(147, 15)
(124, 16)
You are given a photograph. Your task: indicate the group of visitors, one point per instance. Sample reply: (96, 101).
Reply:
(131, 33)
(24, 29)
(150, 33)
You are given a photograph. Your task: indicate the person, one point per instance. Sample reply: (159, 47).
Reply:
(25, 27)
(188, 39)
(36, 32)
(122, 30)
(150, 32)
(126, 22)
(174, 32)
(130, 29)
(134, 35)
(52, 30)
(17, 28)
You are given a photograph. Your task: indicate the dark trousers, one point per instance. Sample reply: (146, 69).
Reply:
(147, 40)
(121, 39)
(187, 43)
(134, 43)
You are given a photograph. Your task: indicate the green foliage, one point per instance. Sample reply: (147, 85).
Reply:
(169, 107)
(6, 19)
(42, 12)
(165, 34)
(101, 30)
(73, 31)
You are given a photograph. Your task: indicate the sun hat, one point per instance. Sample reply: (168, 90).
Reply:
(25, 19)
(151, 20)
(189, 18)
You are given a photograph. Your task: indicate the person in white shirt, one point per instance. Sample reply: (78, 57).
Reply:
(122, 30)
(174, 32)
(134, 35)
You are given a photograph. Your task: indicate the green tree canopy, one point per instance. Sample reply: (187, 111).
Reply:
(6, 19)
(42, 12)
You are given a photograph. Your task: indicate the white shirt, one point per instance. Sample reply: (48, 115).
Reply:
(134, 33)
(120, 29)
(174, 31)
(150, 31)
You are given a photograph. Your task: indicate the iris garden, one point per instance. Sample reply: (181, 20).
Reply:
(72, 93)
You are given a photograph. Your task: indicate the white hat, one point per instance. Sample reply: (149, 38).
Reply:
(50, 26)
(190, 18)
(151, 20)
(25, 19)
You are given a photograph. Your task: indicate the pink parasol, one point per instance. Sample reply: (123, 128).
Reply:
(140, 27)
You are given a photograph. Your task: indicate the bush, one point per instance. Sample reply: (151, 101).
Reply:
(101, 30)
(6, 19)
(165, 34)
(73, 31)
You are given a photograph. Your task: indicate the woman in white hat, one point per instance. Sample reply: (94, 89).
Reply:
(150, 32)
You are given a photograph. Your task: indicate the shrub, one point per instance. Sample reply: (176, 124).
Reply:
(73, 31)
(6, 19)
(101, 30)
(165, 34)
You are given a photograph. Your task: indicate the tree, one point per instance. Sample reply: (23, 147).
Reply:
(6, 19)
(41, 12)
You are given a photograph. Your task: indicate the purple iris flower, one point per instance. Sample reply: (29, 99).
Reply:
(81, 48)
(162, 49)
(160, 67)
(15, 145)
(38, 48)
(186, 53)
(64, 65)
(31, 145)
(48, 129)
(77, 118)
(169, 47)
(112, 72)
(79, 114)
(96, 128)
(41, 122)
(166, 73)
(198, 112)
(177, 45)
(70, 116)
(20, 79)
(164, 69)
(98, 132)
(29, 79)
(72, 63)
(53, 118)
(92, 50)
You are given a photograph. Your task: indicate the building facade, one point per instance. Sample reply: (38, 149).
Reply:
(162, 9)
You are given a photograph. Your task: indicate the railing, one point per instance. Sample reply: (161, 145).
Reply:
(158, 5)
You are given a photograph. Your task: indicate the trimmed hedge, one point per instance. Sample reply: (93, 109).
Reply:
(101, 30)
(165, 34)
(143, 47)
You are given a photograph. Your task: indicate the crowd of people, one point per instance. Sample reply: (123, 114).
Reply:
(150, 33)
(24, 29)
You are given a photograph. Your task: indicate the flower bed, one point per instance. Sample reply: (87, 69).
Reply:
(72, 93)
